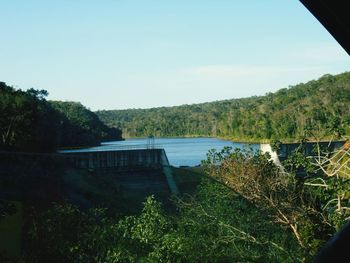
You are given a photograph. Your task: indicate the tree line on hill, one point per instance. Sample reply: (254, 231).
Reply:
(28, 122)
(284, 115)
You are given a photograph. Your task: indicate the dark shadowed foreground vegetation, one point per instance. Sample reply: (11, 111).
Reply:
(214, 225)
(245, 210)
(30, 123)
(283, 115)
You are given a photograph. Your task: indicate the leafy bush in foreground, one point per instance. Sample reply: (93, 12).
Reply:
(312, 207)
(215, 225)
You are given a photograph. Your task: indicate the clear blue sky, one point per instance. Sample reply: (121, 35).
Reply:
(116, 54)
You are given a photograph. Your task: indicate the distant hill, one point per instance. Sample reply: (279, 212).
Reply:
(319, 106)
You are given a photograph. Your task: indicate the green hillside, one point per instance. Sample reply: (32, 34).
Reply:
(82, 126)
(318, 104)
(28, 122)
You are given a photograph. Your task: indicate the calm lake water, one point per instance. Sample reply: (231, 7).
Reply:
(180, 151)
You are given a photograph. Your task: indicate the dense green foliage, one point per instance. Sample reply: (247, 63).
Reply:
(81, 126)
(215, 225)
(26, 120)
(29, 123)
(326, 178)
(312, 206)
(282, 115)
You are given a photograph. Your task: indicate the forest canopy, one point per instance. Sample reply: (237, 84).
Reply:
(28, 122)
(317, 105)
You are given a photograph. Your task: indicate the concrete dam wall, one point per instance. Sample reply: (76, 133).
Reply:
(125, 160)
(119, 159)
